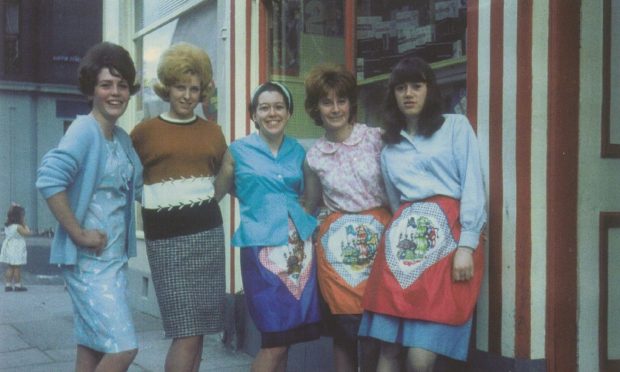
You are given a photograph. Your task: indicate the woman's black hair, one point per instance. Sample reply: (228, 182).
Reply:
(412, 70)
(270, 86)
(106, 55)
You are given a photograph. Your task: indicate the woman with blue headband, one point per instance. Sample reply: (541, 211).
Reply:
(264, 171)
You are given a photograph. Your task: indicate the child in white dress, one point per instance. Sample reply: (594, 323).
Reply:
(14, 248)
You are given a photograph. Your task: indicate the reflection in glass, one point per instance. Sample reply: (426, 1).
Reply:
(301, 35)
(197, 26)
(153, 45)
(388, 31)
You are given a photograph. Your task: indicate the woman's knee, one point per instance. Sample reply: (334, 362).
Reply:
(127, 355)
(188, 342)
(278, 353)
(390, 350)
(420, 360)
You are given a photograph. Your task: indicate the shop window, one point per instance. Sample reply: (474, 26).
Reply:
(12, 55)
(388, 31)
(196, 25)
(304, 33)
(148, 12)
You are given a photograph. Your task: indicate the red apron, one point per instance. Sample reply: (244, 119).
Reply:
(346, 247)
(412, 274)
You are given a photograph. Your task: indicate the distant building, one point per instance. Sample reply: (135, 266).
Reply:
(41, 46)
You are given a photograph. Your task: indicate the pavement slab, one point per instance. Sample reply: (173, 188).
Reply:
(36, 335)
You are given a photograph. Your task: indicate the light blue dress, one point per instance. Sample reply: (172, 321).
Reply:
(97, 284)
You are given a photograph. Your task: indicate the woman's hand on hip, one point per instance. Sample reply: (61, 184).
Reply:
(95, 240)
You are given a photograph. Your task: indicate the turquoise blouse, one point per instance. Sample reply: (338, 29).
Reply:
(268, 188)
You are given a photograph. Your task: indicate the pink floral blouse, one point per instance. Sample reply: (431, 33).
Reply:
(350, 171)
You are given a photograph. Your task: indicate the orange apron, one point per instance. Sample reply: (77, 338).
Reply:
(346, 247)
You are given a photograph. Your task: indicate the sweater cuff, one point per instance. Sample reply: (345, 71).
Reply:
(469, 239)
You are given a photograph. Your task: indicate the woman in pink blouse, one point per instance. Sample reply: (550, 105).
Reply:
(343, 169)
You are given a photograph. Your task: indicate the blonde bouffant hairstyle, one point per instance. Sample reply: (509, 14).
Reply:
(178, 61)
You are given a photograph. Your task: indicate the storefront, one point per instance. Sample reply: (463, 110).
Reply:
(528, 76)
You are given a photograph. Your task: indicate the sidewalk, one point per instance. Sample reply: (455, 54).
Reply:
(36, 334)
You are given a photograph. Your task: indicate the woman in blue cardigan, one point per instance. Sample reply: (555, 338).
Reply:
(90, 182)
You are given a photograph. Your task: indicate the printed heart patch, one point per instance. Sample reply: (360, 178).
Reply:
(291, 263)
(350, 245)
(416, 240)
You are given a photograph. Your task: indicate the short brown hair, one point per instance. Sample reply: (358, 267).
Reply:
(321, 80)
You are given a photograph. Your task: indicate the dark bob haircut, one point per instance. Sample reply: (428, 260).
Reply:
(106, 55)
(412, 70)
(324, 78)
(270, 86)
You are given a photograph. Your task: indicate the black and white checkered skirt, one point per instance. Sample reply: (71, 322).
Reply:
(189, 278)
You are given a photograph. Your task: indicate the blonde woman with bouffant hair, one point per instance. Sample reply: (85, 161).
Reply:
(181, 154)
(178, 61)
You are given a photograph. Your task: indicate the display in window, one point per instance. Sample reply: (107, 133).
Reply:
(324, 17)
(387, 31)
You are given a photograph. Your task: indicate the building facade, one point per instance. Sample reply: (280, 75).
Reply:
(42, 44)
(539, 82)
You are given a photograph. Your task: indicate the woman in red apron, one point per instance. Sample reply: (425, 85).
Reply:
(422, 290)
(343, 167)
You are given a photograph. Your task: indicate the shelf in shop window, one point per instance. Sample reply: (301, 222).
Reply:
(447, 71)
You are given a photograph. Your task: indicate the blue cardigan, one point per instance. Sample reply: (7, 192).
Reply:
(76, 166)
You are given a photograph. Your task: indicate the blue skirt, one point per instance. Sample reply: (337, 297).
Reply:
(451, 341)
(281, 290)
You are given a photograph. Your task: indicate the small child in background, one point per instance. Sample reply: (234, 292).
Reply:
(14, 247)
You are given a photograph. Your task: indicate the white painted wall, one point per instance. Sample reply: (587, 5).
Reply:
(540, 36)
(509, 178)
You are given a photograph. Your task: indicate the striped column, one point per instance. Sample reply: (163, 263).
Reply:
(526, 113)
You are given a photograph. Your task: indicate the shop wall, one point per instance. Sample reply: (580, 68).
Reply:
(511, 123)
(538, 210)
(599, 178)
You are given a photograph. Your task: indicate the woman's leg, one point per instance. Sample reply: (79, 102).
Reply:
(420, 360)
(184, 354)
(390, 359)
(345, 355)
(271, 359)
(198, 357)
(369, 354)
(116, 362)
(87, 359)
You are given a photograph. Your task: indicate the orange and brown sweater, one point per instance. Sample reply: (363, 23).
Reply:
(180, 160)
